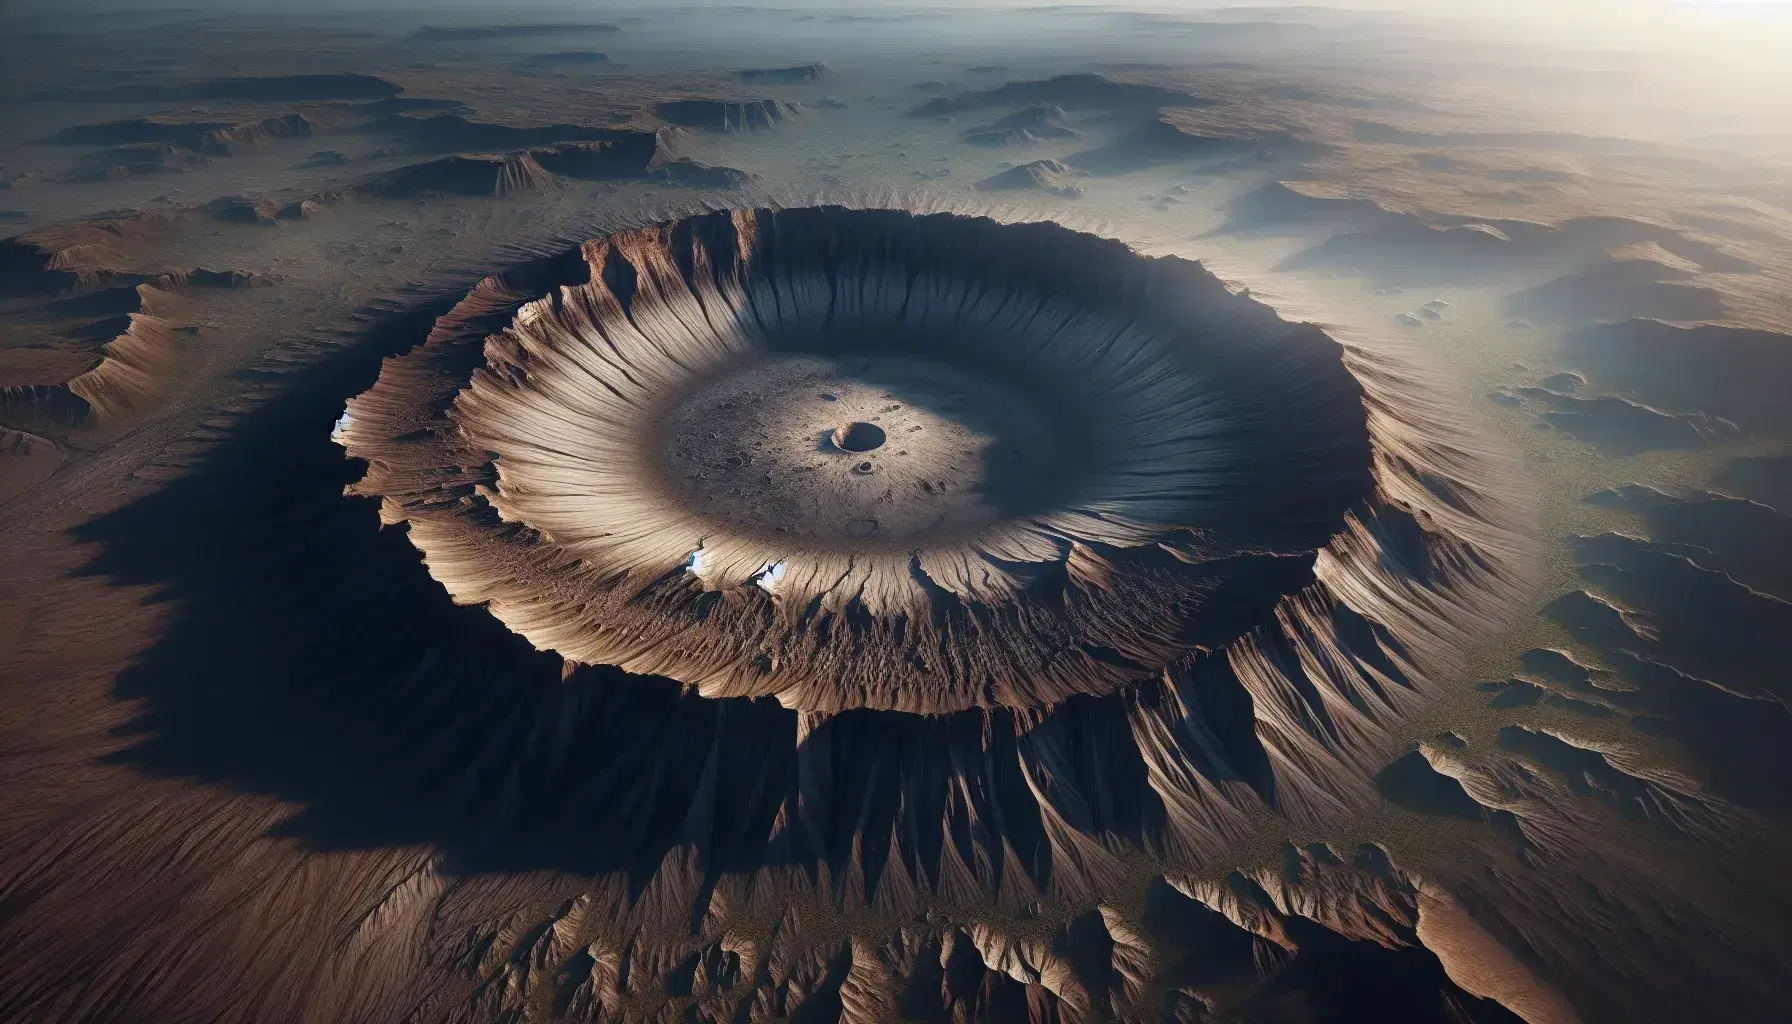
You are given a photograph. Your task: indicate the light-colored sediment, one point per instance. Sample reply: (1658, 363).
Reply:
(1478, 963)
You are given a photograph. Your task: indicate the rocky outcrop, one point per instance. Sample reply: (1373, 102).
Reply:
(494, 175)
(726, 115)
(78, 256)
(445, 133)
(800, 74)
(1738, 374)
(1053, 176)
(1022, 127)
(1068, 91)
(1642, 280)
(1618, 425)
(159, 140)
(223, 141)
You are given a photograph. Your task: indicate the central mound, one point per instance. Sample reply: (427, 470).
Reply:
(869, 459)
(946, 452)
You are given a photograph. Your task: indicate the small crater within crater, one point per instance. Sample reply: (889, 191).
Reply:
(859, 437)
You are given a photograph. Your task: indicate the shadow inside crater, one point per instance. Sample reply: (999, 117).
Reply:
(310, 656)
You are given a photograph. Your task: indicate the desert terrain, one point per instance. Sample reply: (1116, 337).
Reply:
(865, 513)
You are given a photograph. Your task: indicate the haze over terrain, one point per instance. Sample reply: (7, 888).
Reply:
(852, 512)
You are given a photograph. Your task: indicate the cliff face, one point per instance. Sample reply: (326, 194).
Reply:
(726, 115)
(1212, 607)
